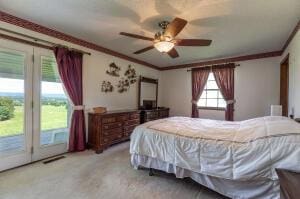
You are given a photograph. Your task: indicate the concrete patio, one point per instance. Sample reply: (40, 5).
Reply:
(16, 142)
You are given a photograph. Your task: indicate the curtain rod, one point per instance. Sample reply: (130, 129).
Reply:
(188, 70)
(42, 40)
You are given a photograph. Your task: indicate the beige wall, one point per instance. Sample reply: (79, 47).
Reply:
(294, 74)
(94, 68)
(256, 88)
(94, 73)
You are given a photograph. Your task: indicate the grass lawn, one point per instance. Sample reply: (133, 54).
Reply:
(52, 117)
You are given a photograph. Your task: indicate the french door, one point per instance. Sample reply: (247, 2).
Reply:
(34, 110)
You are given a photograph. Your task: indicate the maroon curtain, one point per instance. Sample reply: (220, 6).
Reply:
(70, 70)
(224, 76)
(199, 78)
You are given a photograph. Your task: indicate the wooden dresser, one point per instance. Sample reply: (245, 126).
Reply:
(154, 114)
(111, 127)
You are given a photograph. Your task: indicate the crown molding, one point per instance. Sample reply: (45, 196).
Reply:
(5, 17)
(291, 36)
(226, 60)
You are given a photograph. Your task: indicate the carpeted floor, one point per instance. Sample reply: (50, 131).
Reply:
(87, 175)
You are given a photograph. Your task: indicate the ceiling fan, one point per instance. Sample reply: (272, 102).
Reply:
(164, 40)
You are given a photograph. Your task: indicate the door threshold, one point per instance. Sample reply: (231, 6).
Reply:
(41, 160)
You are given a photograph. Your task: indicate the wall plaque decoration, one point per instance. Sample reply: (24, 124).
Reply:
(113, 70)
(107, 87)
(123, 85)
(131, 74)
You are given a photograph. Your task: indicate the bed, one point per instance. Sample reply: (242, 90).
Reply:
(236, 159)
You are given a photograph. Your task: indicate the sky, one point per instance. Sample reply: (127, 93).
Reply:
(17, 86)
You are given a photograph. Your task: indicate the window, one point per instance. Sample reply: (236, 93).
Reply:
(211, 96)
(12, 96)
(55, 110)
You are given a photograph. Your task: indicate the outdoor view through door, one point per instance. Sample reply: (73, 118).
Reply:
(54, 112)
(54, 104)
(12, 97)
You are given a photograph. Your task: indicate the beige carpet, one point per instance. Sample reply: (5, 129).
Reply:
(87, 175)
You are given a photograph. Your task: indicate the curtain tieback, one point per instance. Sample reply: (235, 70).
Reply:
(78, 108)
(228, 102)
(194, 102)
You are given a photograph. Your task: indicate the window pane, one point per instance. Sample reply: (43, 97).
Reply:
(54, 105)
(212, 94)
(211, 76)
(212, 102)
(203, 95)
(202, 102)
(12, 98)
(220, 95)
(212, 85)
(222, 103)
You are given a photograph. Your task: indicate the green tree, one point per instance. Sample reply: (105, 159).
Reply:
(6, 108)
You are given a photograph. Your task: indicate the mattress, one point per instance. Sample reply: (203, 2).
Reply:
(249, 150)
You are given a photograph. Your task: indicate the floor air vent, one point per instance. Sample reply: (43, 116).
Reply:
(53, 159)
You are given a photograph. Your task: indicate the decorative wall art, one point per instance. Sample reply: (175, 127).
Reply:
(131, 74)
(107, 87)
(123, 85)
(113, 70)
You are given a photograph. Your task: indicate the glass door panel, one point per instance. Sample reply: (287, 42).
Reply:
(51, 109)
(11, 101)
(34, 110)
(15, 110)
(54, 104)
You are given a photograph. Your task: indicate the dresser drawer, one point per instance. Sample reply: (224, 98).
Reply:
(110, 132)
(108, 126)
(111, 119)
(132, 122)
(122, 118)
(164, 113)
(133, 116)
(129, 128)
(151, 115)
(150, 119)
(110, 139)
(127, 134)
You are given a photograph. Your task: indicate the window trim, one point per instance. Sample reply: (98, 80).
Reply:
(212, 107)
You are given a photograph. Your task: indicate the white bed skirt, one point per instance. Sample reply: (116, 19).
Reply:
(267, 189)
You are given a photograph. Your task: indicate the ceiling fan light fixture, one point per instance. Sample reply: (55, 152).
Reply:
(164, 46)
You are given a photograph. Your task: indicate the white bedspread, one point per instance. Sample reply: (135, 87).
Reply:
(249, 149)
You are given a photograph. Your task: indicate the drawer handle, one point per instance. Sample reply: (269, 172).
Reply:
(106, 127)
(105, 133)
(119, 136)
(105, 140)
(119, 124)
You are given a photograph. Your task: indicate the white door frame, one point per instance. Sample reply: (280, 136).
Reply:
(17, 158)
(41, 152)
(32, 77)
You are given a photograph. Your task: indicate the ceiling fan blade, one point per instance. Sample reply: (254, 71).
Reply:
(144, 50)
(193, 42)
(173, 53)
(175, 27)
(136, 36)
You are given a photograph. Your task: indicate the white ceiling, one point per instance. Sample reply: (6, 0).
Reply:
(237, 27)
